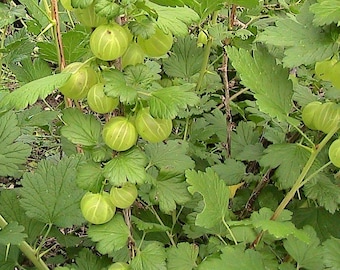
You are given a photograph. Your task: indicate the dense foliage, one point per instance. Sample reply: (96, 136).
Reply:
(155, 134)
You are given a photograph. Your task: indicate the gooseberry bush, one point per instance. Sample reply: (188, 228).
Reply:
(154, 134)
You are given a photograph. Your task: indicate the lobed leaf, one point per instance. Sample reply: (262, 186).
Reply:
(90, 176)
(80, 128)
(331, 251)
(29, 93)
(307, 255)
(115, 86)
(106, 8)
(322, 189)
(175, 19)
(12, 233)
(326, 12)
(215, 195)
(12, 154)
(234, 258)
(111, 236)
(166, 102)
(182, 257)
(171, 156)
(305, 43)
(126, 166)
(273, 91)
(149, 226)
(289, 168)
(185, 59)
(13, 212)
(170, 189)
(152, 257)
(50, 194)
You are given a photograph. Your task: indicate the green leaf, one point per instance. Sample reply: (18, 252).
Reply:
(326, 193)
(170, 188)
(111, 236)
(215, 195)
(115, 86)
(81, 3)
(324, 223)
(12, 154)
(171, 156)
(9, 258)
(234, 258)
(245, 3)
(149, 226)
(307, 255)
(50, 194)
(185, 60)
(32, 91)
(152, 257)
(209, 6)
(217, 124)
(231, 171)
(107, 8)
(90, 177)
(75, 44)
(87, 260)
(280, 229)
(18, 46)
(289, 167)
(13, 212)
(273, 92)
(182, 257)
(175, 19)
(126, 166)
(36, 12)
(9, 14)
(143, 76)
(38, 118)
(245, 143)
(143, 27)
(80, 128)
(31, 70)
(326, 12)
(12, 233)
(304, 43)
(166, 102)
(331, 251)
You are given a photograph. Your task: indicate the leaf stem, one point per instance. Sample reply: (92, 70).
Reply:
(206, 55)
(299, 181)
(42, 242)
(229, 230)
(29, 252)
(303, 135)
(161, 222)
(186, 129)
(297, 185)
(315, 173)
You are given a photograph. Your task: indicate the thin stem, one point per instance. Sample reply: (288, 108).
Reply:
(229, 230)
(298, 183)
(161, 222)
(42, 242)
(226, 101)
(299, 180)
(186, 129)
(222, 240)
(29, 252)
(234, 96)
(315, 173)
(206, 55)
(304, 135)
(131, 244)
